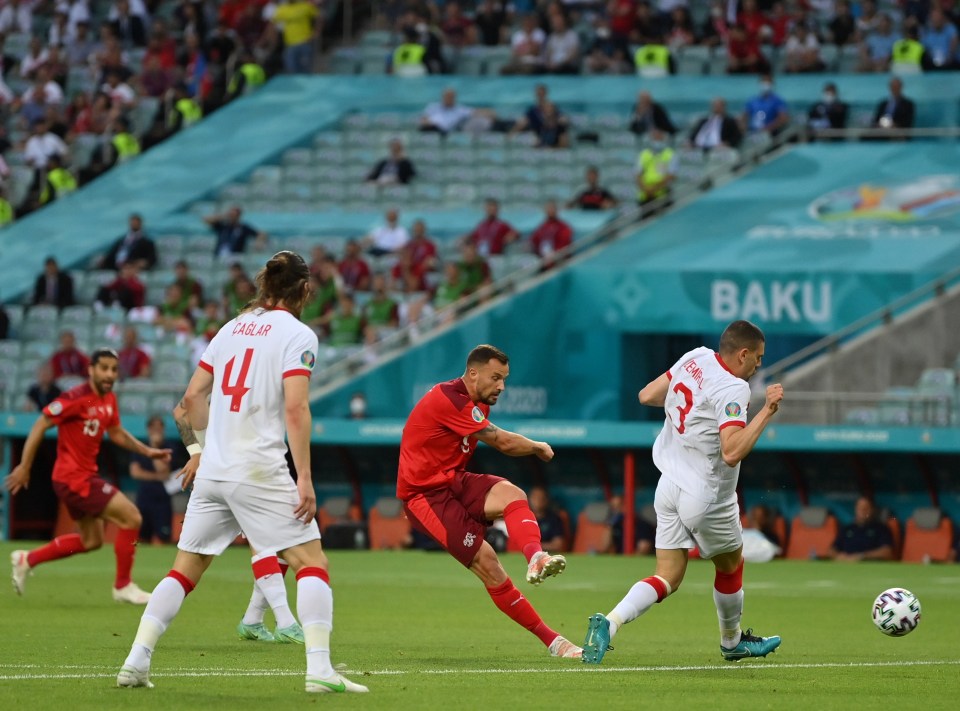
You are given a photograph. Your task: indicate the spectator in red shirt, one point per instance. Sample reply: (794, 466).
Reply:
(752, 20)
(407, 275)
(126, 290)
(593, 196)
(422, 249)
(69, 360)
(551, 236)
(492, 235)
(134, 361)
(743, 53)
(355, 271)
(457, 28)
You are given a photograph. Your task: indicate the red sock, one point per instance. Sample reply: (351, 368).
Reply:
(60, 547)
(729, 583)
(514, 605)
(124, 547)
(522, 527)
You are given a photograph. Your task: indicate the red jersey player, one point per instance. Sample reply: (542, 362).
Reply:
(81, 416)
(454, 506)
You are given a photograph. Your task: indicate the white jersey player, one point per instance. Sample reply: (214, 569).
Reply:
(705, 436)
(256, 372)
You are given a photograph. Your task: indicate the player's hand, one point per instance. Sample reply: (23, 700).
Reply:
(18, 479)
(162, 454)
(544, 451)
(774, 396)
(307, 508)
(189, 472)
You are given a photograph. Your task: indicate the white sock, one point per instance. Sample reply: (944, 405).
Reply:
(256, 608)
(637, 601)
(729, 610)
(275, 593)
(315, 608)
(165, 602)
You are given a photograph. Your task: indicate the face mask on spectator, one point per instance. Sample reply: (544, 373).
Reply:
(766, 87)
(829, 97)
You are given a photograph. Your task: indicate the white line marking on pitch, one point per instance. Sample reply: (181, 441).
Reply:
(224, 672)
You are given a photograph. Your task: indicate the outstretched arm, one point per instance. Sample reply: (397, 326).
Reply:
(19, 478)
(120, 437)
(513, 444)
(655, 392)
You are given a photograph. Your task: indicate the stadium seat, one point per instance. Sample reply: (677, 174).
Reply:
(337, 509)
(929, 536)
(812, 533)
(593, 529)
(388, 525)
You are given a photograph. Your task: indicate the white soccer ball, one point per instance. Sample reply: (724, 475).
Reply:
(896, 612)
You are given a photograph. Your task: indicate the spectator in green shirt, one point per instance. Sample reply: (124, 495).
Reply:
(381, 311)
(345, 324)
(474, 269)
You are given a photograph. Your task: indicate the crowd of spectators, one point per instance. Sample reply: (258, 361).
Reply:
(643, 36)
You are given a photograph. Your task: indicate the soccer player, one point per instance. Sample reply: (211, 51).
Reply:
(454, 506)
(82, 415)
(704, 438)
(268, 570)
(256, 371)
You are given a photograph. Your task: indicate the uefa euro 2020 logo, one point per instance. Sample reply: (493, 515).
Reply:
(926, 198)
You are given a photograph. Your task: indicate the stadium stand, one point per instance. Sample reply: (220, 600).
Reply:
(812, 532)
(928, 537)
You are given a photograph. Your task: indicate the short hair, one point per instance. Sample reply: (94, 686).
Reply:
(484, 353)
(103, 352)
(740, 334)
(155, 420)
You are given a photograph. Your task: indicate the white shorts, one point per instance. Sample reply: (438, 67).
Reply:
(218, 511)
(686, 522)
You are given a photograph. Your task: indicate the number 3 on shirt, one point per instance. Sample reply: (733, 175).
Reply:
(687, 405)
(236, 391)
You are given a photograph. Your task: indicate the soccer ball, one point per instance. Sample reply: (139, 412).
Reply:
(896, 612)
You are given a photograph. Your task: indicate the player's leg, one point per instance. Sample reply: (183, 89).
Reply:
(269, 591)
(510, 501)
(121, 511)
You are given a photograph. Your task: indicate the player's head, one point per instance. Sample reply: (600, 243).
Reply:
(104, 369)
(283, 281)
(487, 369)
(741, 348)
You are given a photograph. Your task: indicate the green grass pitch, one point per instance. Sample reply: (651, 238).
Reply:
(421, 633)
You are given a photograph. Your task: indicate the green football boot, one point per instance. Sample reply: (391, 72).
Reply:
(597, 641)
(256, 632)
(750, 646)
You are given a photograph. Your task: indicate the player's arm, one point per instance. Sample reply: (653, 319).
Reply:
(737, 442)
(19, 477)
(296, 398)
(120, 437)
(654, 393)
(513, 444)
(195, 400)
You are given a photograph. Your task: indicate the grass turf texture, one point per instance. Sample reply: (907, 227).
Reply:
(420, 632)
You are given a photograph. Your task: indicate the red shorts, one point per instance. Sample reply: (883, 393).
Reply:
(99, 493)
(453, 516)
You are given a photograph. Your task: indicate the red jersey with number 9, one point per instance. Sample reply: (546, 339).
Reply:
(437, 439)
(82, 416)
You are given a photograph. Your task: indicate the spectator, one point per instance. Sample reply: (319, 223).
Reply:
(345, 325)
(57, 181)
(680, 31)
(407, 59)
(128, 29)
(607, 54)
(715, 31)
(53, 287)
(448, 115)
(653, 60)
(43, 392)
(174, 315)
(532, 119)
(406, 275)
(299, 20)
(387, 238)
(753, 21)
(209, 321)
(561, 52)
(829, 112)
(423, 251)
(232, 234)
(474, 269)
(646, 25)
(353, 270)
(779, 22)
(358, 406)
(621, 14)
(877, 47)
(526, 48)
(647, 113)
(395, 168)
(743, 53)
(551, 236)
(553, 534)
(126, 291)
(7, 214)
(803, 51)
(318, 253)
(766, 112)
(35, 58)
(16, 17)
(491, 21)
(380, 312)
(864, 539)
(41, 145)
(643, 533)
(133, 247)
(122, 96)
(553, 131)
(843, 26)
(134, 362)
(456, 27)
(656, 169)
(231, 287)
(896, 111)
(79, 48)
(317, 306)
(451, 288)
(153, 501)
(593, 196)
(191, 290)
(491, 235)
(909, 56)
(940, 41)
(868, 20)
(69, 360)
(717, 129)
(762, 519)
(44, 92)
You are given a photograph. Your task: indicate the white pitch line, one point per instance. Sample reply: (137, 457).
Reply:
(579, 669)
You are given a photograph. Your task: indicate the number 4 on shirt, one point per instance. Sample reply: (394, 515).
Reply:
(687, 405)
(236, 391)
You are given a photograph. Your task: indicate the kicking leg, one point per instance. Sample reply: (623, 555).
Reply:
(505, 499)
(90, 538)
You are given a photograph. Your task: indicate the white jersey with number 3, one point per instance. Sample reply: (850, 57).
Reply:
(703, 398)
(249, 358)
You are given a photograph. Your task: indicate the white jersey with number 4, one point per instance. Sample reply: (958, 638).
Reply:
(249, 358)
(703, 398)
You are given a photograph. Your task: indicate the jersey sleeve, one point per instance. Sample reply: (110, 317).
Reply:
(464, 422)
(300, 355)
(63, 409)
(731, 404)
